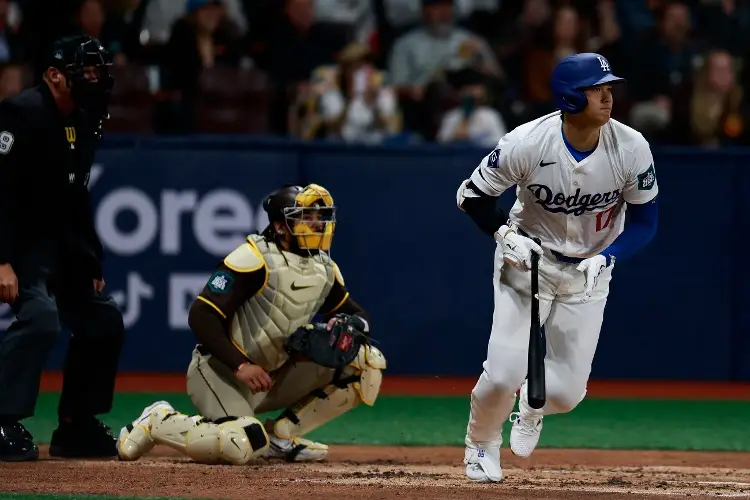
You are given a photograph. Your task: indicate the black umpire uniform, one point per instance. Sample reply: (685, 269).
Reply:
(47, 144)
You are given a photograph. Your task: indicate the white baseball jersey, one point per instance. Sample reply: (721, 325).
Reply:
(575, 208)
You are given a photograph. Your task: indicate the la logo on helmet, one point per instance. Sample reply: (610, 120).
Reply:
(604, 63)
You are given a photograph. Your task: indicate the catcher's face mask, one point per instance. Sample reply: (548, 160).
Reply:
(313, 218)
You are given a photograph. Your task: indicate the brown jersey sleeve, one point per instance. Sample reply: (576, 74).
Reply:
(226, 290)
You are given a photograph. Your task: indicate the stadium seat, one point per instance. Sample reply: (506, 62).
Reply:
(232, 100)
(130, 105)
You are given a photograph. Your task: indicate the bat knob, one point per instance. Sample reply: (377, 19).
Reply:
(536, 403)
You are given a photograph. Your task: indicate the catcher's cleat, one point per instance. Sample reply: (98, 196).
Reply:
(296, 449)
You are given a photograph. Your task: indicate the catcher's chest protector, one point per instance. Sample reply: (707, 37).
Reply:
(296, 289)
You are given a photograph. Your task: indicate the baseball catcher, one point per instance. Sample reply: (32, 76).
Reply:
(262, 348)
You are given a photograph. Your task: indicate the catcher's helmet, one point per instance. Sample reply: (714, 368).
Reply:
(308, 212)
(575, 73)
(85, 63)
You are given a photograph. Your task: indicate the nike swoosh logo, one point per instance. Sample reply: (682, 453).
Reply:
(295, 287)
(235, 443)
(543, 164)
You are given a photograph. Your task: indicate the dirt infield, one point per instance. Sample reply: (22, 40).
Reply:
(370, 473)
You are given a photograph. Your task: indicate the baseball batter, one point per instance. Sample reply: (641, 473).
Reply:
(259, 351)
(576, 172)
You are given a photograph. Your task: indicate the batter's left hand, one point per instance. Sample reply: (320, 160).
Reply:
(592, 268)
(99, 285)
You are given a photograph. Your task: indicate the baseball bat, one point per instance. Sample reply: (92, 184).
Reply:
(537, 387)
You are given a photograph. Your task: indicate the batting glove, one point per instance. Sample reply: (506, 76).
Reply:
(517, 249)
(593, 268)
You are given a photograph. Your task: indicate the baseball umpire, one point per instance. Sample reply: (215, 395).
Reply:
(50, 254)
(260, 352)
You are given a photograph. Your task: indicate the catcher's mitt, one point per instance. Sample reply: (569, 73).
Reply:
(333, 347)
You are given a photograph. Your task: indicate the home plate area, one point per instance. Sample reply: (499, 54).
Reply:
(409, 473)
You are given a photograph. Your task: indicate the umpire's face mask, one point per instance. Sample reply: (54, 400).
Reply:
(90, 88)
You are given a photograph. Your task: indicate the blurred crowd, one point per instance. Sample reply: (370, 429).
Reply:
(373, 71)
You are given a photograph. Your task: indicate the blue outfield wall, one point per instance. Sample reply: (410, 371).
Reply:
(169, 209)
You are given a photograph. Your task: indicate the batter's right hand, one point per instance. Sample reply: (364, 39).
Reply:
(517, 249)
(254, 377)
(8, 284)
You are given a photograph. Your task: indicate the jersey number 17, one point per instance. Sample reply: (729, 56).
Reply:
(604, 218)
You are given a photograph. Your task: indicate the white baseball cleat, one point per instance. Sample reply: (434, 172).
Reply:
(524, 436)
(483, 464)
(135, 439)
(296, 449)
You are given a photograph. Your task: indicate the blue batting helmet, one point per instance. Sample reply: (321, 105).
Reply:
(575, 73)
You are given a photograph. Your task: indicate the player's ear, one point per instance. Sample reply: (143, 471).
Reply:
(53, 75)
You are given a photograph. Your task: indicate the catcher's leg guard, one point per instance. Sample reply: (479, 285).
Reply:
(134, 439)
(230, 440)
(360, 381)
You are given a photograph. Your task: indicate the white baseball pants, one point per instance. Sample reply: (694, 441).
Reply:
(572, 331)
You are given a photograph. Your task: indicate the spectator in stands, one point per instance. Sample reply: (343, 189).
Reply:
(90, 19)
(638, 17)
(659, 68)
(519, 27)
(11, 80)
(472, 121)
(294, 47)
(480, 16)
(714, 111)
(420, 58)
(125, 32)
(161, 16)
(358, 106)
(562, 37)
(403, 15)
(307, 119)
(202, 38)
(608, 37)
(724, 24)
(10, 43)
(354, 17)
(517, 31)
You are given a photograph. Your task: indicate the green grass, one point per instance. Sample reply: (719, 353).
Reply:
(400, 420)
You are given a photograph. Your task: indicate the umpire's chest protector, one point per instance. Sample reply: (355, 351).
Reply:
(296, 288)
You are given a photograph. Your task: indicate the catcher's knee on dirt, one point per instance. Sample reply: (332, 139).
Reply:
(231, 440)
(359, 381)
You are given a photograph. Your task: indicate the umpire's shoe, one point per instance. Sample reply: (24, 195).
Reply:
(16, 444)
(83, 438)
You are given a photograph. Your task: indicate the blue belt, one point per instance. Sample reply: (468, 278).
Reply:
(557, 255)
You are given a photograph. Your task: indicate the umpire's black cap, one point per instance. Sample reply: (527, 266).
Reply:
(74, 56)
(77, 50)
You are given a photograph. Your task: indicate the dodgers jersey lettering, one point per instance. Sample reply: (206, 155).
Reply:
(576, 208)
